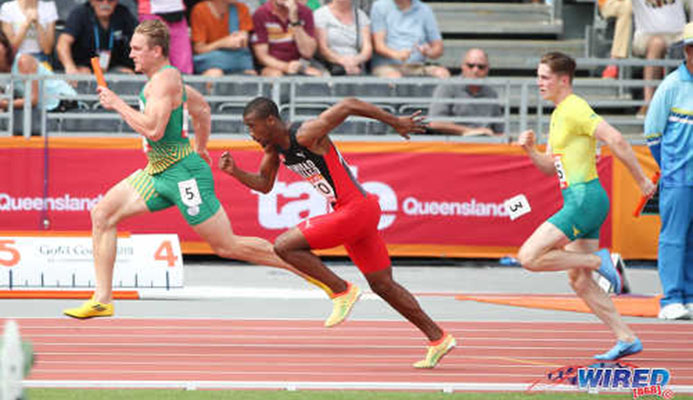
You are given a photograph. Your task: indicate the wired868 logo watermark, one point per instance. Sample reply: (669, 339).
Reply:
(616, 376)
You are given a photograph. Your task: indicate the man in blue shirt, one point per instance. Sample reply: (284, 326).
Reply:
(97, 28)
(669, 133)
(405, 37)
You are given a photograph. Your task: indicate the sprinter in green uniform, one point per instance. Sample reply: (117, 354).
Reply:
(176, 173)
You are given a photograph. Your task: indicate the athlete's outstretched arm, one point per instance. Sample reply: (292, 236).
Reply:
(312, 131)
(163, 91)
(201, 119)
(542, 161)
(263, 181)
(621, 149)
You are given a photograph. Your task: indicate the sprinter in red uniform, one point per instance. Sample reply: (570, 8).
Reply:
(307, 150)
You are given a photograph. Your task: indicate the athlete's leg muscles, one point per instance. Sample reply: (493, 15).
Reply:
(217, 232)
(403, 301)
(596, 299)
(293, 248)
(121, 202)
(544, 251)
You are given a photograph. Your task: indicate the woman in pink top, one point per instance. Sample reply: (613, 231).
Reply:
(172, 13)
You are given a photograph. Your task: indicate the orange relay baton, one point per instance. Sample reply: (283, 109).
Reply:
(643, 199)
(98, 73)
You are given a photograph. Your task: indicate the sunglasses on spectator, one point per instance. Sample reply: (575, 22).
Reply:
(472, 65)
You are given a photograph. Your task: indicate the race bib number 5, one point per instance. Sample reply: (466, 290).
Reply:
(190, 195)
(560, 171)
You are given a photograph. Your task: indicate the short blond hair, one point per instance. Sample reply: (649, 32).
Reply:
(157, 34)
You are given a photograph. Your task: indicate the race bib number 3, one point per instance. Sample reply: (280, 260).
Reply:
(560, 171)
(517, 206)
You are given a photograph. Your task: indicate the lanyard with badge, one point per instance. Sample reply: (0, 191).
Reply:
(104, 54)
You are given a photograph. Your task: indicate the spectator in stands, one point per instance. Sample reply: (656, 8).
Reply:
(220, 34)
(312, 4)
(405, 37)
(171, 13)
(622, 10)
(474, 66)
(658, 24)
(52, 88)
(669, 134)
(30, 26)
(101, 28)
(284, 39)
(344, 37)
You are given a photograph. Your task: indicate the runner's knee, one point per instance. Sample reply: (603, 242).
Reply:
(282, 247)
(381, 284)
(528, 259)
(286, 243)
(101, 219)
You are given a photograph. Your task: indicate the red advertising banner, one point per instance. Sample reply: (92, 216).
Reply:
(443, 199)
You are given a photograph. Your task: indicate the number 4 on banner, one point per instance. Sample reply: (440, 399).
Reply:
(165, 253)
(517, 206)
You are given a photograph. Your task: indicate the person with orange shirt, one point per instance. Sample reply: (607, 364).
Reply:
(220, 32)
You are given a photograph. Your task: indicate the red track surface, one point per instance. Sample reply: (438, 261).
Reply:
(357, 351)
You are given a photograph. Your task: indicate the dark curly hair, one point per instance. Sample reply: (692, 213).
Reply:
(9, 53)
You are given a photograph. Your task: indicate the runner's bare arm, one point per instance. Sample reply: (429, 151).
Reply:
(263, 181)
(622, 150)
(201, 120)
(544, 162)
(163, 91)
(311, 132)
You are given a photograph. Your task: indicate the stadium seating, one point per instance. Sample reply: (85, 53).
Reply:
(515, 35)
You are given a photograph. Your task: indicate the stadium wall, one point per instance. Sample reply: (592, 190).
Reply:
(438, 199)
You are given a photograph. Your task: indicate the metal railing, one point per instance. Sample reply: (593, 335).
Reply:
(301, 98)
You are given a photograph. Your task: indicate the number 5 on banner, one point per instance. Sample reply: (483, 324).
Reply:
(14, 254)
(165, 253)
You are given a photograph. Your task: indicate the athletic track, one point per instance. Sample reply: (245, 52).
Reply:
(297, 354)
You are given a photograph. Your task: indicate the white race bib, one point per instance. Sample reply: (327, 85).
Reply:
(145, 145)
(560, 171)
(517, 206)
(184, 129)
(104, 59)
(323, 187)
(189, 193)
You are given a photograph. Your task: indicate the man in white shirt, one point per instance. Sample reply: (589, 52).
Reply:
(658, 24)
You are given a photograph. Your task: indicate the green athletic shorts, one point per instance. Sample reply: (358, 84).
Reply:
(585, 207)
(188, 184)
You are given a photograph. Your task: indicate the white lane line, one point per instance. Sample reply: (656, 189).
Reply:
(447, 387)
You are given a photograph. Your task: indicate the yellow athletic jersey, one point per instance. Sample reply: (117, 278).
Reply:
(572, 141)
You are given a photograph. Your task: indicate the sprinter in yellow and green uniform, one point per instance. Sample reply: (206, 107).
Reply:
(572, 141)
(176, 173)
(569, 240)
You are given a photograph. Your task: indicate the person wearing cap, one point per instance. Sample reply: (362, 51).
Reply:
(669, 134)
